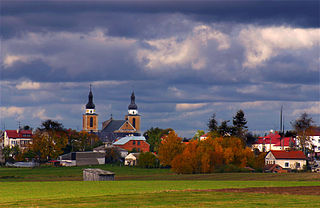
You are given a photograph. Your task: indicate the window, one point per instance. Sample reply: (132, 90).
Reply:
(134, 122)
(318, 140)
(134, 142)
(286, 164)
(91, 122)
(138, 142)
(298, 165)
(319, 148)
(138, 149)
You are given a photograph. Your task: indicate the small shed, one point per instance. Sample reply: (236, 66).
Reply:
(96, 174)
(132, 159)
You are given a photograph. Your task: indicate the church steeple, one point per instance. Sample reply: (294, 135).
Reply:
(133, 105)
(90, 118)
(90, 104)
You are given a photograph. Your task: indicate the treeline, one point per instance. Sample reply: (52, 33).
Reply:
(50, 140)
(207, 156)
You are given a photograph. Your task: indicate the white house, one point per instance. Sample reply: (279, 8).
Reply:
(132, 159)
(21, 138)
(286, 159)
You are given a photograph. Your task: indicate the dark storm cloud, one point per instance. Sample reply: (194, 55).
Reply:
(133, 16)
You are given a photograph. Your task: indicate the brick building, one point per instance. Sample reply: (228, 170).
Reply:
(129, 143)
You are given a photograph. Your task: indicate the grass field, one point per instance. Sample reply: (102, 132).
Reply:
(133, 173)
(140, 193)
(137, 187)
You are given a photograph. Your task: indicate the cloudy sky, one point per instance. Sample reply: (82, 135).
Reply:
(185, 60)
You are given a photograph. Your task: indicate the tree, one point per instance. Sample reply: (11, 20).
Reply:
(49, 144)
(213, 124)
(153, 137)
(239, 125)
(301, 126)
(148, 160)
(112, 155)
(170, 146)
(26, 127)
(224, 129)
(198, 134)
(51, 125)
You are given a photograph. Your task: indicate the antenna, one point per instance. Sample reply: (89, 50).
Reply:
(280, 131)
(90, 86)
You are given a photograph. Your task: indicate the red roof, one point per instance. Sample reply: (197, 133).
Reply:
(275, 139)
(280, 154)
(285, 142)
(19, 134)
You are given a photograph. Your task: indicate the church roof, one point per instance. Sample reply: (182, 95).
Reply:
(133, 105)
(113, 125)
(126, 139)
(90, 104)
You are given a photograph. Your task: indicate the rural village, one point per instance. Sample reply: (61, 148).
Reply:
(223, 148)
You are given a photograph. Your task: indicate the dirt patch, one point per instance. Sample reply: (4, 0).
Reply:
(298, 190)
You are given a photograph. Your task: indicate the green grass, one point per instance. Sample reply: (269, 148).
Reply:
(79, 193)
(134, 173)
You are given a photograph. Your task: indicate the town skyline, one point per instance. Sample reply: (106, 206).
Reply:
(184, 60)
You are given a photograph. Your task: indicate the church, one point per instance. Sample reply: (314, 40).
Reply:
(112, 129)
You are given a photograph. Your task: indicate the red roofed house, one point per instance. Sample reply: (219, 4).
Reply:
(273, 141)
(17, 137)
(286, 159)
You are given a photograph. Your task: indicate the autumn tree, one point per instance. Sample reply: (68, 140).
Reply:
(301, 126)
(148, 160)
(170, 146)
(112, 155)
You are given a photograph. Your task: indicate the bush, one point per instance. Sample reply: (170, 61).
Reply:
(148, 160)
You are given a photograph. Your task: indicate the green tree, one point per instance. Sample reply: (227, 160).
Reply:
(153, 137)
(51, 125)
(301, 126)
(148, 160)
(213, 124)
(224, 129)
(112, 155)
(198, 134)
(239, 125)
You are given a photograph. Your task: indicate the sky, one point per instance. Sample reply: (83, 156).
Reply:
(185, 60)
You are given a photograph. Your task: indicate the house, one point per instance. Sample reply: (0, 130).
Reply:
(19, 137)
(273, 141)
(132, 159)
(82, 158)
(204, 137)
(315, 140)
(130, 143)
(274, 168)
(286, 159)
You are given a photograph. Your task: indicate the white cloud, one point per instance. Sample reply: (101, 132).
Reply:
(9, 60)
(261, 44)
(173, 51)
(28, 85)
(314, 109)
(9, 112)
(41, 114)
(189, 106)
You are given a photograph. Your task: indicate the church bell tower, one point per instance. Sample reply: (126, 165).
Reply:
(90, 118)
(133, 117)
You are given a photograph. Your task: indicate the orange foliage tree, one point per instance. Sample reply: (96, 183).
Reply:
(205, 156)
(171, 145)
(49, 144)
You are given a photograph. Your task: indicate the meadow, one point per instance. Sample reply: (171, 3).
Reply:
(137, 187)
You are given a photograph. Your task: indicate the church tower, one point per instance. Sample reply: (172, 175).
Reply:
(133, 117)
(90, 118)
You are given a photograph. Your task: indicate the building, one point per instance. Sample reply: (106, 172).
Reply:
(114, 129)
(315, 141)
(286, 159)
(273, 141)
(130, 143)
(82, 158)
(132, 159)
(90, 118)
(20, 138)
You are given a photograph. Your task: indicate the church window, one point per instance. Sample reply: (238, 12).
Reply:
(138, 142)
(134, 122)
(91, 122)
